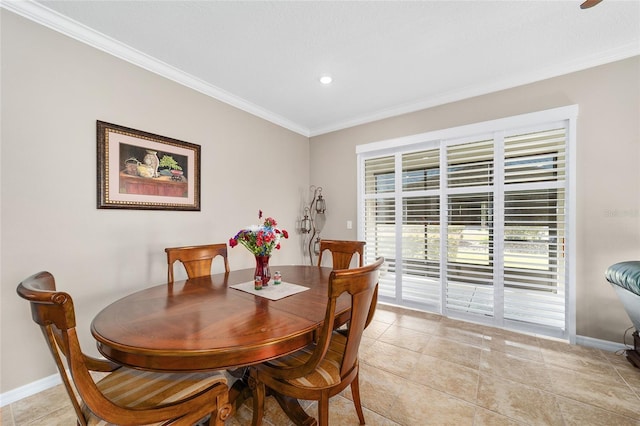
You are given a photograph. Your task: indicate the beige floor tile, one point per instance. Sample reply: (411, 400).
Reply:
(343, 413)
(473, 327)
(608, 393)
(465, 325)
(410, 312)
(273, 414)
(617, 357)
(375, 329)
(451, 378)
(233, 421)
(551, 345)
(453, 351)
(424, 323)
(378, 388)
(632, 380)
(629, 373)
(6, 418)
(242, 417)
(489, 418)
(520, 345)
(39, 406)
(59, 417)
(385, 315)
(512, 336)
(579, 414)
(517, 401)
(365, 342)
(390, 358)
(577, 360)
(449, 330)
(422, 405)
(516, 369)
(405, 338)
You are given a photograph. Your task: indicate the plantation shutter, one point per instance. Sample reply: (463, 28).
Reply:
(535, 228)
(380, 218)
(470, 232)
(474, 221)
(421, 227)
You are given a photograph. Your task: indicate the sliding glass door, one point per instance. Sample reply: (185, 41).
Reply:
(473, 227)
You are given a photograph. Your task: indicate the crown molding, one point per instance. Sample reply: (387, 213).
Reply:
(60, 23)
(613, 55)
(64, 25)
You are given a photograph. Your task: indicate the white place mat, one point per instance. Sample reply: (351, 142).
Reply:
(272, 291)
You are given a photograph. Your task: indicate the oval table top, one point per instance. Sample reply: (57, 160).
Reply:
(201, 324)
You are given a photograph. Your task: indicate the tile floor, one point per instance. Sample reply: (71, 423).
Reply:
(421, 369)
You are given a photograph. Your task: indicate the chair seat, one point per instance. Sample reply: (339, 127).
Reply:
(144, 389)
(326, 374)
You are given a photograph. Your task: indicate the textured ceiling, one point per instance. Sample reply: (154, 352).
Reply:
(386, 58)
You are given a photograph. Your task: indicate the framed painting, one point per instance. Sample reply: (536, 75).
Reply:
(141, 170)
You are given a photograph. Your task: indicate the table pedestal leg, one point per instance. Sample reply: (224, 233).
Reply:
(238, 394)
(241, 391)
(294, 411)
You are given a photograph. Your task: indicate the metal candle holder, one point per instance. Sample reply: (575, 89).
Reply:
(313, 221)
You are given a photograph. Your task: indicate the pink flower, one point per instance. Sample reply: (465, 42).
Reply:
(260, 240)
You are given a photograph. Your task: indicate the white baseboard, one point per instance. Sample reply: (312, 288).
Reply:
(29, 389)
(605, 345)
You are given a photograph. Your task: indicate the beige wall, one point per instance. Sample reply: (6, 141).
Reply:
(53, 91)
(608, 172)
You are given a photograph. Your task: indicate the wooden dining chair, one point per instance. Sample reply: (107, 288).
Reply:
(342, 252)
(124, 396)
(196, 260)
(330, 364)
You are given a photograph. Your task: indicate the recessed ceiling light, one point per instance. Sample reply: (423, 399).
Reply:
(326, 79)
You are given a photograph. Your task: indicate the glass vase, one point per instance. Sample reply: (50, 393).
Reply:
(262, 269)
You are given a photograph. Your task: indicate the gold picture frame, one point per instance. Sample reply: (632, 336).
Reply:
(142, 170)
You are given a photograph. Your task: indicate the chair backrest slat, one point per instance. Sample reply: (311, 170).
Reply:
(196, 260)
(362, 285)
(342, 252)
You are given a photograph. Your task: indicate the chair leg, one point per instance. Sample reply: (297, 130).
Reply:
(258, 391)
(355, 392)
(223, 412)
(323, 410)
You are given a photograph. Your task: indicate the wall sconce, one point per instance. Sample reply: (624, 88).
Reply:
(313, 222)
(305, 223)
(321, 206)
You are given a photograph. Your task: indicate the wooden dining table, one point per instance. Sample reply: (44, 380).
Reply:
(202, 324)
